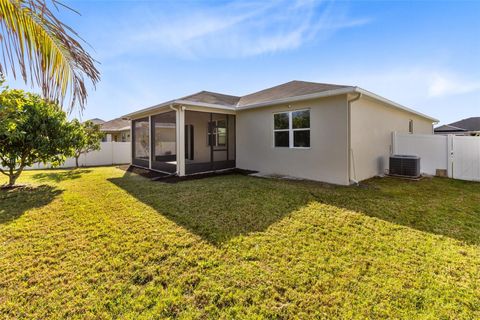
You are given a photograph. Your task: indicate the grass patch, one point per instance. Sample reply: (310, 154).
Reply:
(102, 243)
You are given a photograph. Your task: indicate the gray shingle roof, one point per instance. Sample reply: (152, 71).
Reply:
(293, 90)
(213, 98)
(469, 124)
(290, 89)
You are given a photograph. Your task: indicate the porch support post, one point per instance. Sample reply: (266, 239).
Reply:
(132, 141)
(181, 140)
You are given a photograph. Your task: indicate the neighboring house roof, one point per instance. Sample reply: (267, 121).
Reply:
(117, 124)
(289, 92)
(97, 121)
(468, 124)
(449, 128)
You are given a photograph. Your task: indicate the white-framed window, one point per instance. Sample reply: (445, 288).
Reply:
(291, 129)
(217, 133)
(410, 126)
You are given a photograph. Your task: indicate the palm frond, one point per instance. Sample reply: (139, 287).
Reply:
(45, 51)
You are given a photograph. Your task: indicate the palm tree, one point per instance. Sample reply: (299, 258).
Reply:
(45, 51)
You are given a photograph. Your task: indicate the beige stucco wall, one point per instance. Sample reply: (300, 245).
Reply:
(326, 159)
(372, 124)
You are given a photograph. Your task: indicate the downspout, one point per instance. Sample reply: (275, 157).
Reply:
(351, 160)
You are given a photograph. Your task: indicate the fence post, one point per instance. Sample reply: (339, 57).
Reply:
(450, 155)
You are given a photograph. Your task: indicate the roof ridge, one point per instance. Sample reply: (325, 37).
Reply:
(323, 83)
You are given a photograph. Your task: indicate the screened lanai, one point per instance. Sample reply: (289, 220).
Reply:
(209, 141)
(205, 139)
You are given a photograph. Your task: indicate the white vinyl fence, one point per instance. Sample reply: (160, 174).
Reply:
(110, 153)
(466, 158)
(459, 155)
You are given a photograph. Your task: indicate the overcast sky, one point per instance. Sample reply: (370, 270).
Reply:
(424, 55)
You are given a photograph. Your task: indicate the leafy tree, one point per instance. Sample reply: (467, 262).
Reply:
(32, 130)
(87, 137)
(45, 50)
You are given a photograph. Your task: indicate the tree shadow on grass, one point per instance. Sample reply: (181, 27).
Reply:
(217, 208)
(60, 176)
(15, 201)
(221, 208)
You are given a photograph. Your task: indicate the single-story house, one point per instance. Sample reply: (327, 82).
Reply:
(465, 127)
(116, 130)
(332, 133)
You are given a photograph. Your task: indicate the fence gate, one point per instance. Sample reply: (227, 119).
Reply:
(466, 158)
(458, 155)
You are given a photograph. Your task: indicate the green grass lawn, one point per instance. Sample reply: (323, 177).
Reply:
(99, 243)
